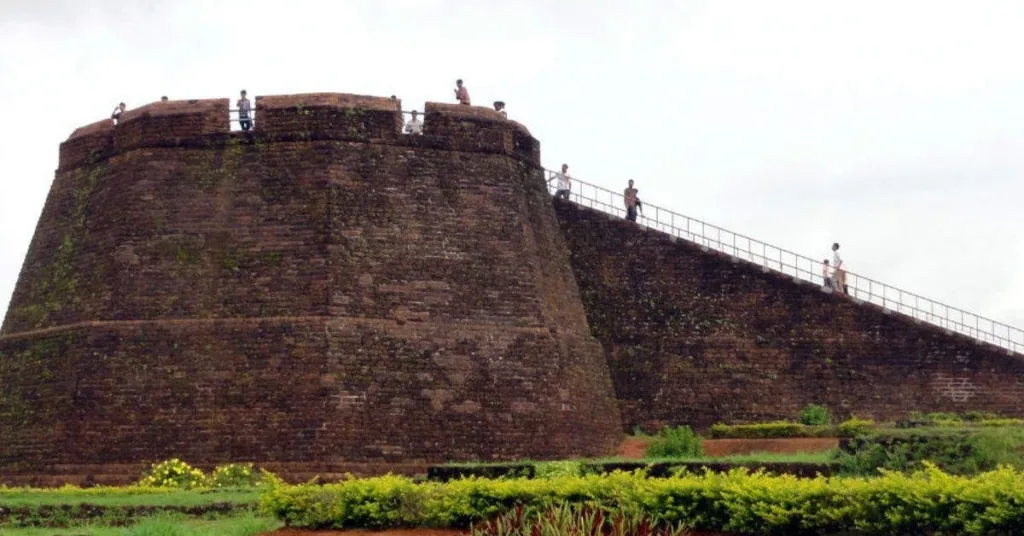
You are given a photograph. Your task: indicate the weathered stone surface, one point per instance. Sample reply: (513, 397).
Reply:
(693, 337)
(323, 290)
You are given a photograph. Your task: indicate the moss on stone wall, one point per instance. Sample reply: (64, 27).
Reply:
(56, 287)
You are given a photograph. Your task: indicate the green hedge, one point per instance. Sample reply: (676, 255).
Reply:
(955, 450)
(779, 429)
(926, 502)
(768, 430)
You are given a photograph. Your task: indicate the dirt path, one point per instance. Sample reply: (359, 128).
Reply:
(632, 448)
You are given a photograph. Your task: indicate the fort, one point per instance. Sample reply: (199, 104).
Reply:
(325, 294)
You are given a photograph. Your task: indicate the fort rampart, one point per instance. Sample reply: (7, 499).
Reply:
(698, 337)
(322, 293)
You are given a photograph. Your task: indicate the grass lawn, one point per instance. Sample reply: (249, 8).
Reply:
(164, 525)
(128, 496)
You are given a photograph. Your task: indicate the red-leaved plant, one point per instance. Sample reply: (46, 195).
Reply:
(574, 520)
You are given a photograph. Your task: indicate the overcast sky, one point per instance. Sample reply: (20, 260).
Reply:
(894, 127)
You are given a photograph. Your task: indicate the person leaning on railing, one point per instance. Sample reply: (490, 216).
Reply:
(415, 125)
(563, 183)
(632, 201)
(244, 107)
(826, 275)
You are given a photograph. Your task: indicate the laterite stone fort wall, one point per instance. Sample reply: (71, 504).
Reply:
(695, 337)
(320, 295)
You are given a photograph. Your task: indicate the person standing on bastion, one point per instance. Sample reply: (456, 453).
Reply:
(415, 125)
(563, 183)
(244, 107)
(461, 93)
(499, 107)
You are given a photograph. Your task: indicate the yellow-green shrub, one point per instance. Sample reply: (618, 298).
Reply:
(173, 473)
(241, 475)
(853, 427)
(1001, 422)
(925, 502)
(761, 430)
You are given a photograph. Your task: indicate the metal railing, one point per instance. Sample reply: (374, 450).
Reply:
(236, 121)
(798, 266)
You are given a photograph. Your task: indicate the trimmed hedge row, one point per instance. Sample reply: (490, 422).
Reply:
(780, 429)
(447, 473)
(926, 502)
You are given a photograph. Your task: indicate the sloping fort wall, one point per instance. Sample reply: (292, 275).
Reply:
(695, 336)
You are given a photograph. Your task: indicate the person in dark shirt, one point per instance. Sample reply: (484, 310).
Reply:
(631, 200)
(244, 109)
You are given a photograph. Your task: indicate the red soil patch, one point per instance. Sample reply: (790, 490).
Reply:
(633, 448)
(788, 445)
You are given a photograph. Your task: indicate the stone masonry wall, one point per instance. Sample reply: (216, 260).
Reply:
(694, 337)
(323, 290)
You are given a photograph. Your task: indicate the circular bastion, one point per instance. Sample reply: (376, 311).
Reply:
(321, 294)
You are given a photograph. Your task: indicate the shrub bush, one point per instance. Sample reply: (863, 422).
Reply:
(957, 451)
(1001, 422)
(675, 442)
(761, 431)
(854, 427)
(980, 416)
(953, 420)
(173, 473)
(926, 502)
(556, 469)
(241, 475)
(815, 415)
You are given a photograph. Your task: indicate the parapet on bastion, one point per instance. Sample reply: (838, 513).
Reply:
(320, 295)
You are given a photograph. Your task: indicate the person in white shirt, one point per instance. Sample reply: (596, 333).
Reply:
(838, 274)
(499, 107)
(563, 183)
(826, 274)
(115, 117)
(415, 125)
